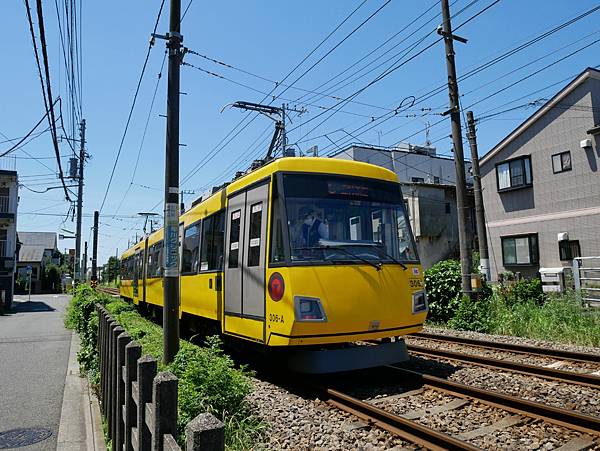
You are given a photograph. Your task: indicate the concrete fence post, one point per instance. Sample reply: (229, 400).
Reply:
(112, 389)
(122, 341)
(146, 370)
(205, 433)
(133, 351)
(164, 398)
(110, 324)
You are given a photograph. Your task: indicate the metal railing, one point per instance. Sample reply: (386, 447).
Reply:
(4, 204)
(586, 276)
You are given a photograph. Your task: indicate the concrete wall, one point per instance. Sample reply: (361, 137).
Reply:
(563, 202)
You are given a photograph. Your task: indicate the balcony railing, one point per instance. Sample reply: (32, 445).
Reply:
(4, 204)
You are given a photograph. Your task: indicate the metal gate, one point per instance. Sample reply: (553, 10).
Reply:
(586, 275)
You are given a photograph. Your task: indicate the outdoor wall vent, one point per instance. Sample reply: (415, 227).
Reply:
(585, 143)
(563, 236)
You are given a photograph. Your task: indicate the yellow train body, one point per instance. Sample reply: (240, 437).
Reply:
(359, 300)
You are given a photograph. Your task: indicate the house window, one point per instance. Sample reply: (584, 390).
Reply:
(569, 249)
(436, 180)
(417, 179)
(514, 173)
(561, 162)
(520, 250)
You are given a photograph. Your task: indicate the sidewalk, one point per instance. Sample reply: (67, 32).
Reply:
(80, 425)
(44, 404)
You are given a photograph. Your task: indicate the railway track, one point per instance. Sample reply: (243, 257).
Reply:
(552, 359)
(408, 427)
(109, 290)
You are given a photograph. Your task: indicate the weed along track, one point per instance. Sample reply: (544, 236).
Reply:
(441, 414)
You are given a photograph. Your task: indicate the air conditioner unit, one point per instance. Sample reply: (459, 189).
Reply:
(563, 236)
(584, 143)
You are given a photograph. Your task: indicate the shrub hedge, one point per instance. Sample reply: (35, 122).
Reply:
(208, 379)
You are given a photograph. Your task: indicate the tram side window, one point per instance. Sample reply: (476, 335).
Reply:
(189, 264)
(153, 263)
(211, 255)
(234, 239)
(254, 234)
(158, 262)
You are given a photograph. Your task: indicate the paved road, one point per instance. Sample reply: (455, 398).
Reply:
(34, 351)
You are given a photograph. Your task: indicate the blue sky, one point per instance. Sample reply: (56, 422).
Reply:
(267, 39)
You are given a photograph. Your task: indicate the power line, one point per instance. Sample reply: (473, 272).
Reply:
(137, 90)
(232, 134)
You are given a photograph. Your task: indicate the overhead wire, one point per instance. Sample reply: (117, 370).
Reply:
(135, 96)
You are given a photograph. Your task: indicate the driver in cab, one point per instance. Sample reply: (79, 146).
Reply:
(313, 229)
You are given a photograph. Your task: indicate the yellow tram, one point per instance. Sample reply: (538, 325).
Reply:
(310, 254)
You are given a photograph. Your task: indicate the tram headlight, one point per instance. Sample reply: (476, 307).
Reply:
(308, 309)
(419, 303)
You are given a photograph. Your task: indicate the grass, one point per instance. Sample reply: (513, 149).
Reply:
(561, 318)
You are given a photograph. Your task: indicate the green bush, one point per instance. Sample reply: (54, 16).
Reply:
(472, 314)
(443, 285)
(81, 317)
(524, 290)
(51, 278)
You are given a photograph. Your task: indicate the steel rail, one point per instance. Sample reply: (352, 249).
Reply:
(406, 429)
(524, 349)
(571, 377)
(567, 418)
(109, 290)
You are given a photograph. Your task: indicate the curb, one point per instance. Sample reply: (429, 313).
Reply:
(80, 423)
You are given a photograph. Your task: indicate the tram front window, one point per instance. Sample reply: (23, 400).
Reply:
(337, 219)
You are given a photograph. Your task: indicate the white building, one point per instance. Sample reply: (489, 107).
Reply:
(9, 200)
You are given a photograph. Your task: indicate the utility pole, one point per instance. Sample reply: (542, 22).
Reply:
(484, 259)
(94, 278)
(84, 262)
(171, 211)
(79, 202)
(461, 188)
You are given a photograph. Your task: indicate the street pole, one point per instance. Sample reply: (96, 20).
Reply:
(29, 300)
(171, 210)
(461, 188)
(84, 262)
(484, 259)
(79, 202)
(94, 278)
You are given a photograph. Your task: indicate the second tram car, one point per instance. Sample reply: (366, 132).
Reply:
(308, 254)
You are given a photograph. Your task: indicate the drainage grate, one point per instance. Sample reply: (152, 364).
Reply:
(15, 438)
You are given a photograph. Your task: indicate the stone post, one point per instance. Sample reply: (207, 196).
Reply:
(146, 370)
(205, 433)
(164, 397)
(122, 341)
(133, 352)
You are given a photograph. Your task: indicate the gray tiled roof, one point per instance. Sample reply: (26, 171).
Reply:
(45, 240)
(31, 254)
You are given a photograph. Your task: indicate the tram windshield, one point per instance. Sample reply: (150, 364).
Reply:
(340, 219)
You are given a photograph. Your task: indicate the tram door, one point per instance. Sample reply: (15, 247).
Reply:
(246, 234)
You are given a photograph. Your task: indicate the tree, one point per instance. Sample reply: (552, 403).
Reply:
(112, 269)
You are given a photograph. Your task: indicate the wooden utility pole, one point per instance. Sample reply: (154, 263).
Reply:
(461, 187)
(84, 262)
(484, 259)
(171, 211)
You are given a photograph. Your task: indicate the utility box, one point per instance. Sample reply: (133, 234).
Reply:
(554, 280)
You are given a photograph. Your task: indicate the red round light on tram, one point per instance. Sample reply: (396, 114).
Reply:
(276, 286)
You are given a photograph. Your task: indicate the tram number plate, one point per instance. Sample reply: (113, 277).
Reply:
(415, 283)
(274, 318)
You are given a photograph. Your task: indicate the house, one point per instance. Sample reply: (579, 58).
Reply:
(9, 200)
(429, 189)
(37, 249)
(541, 184)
